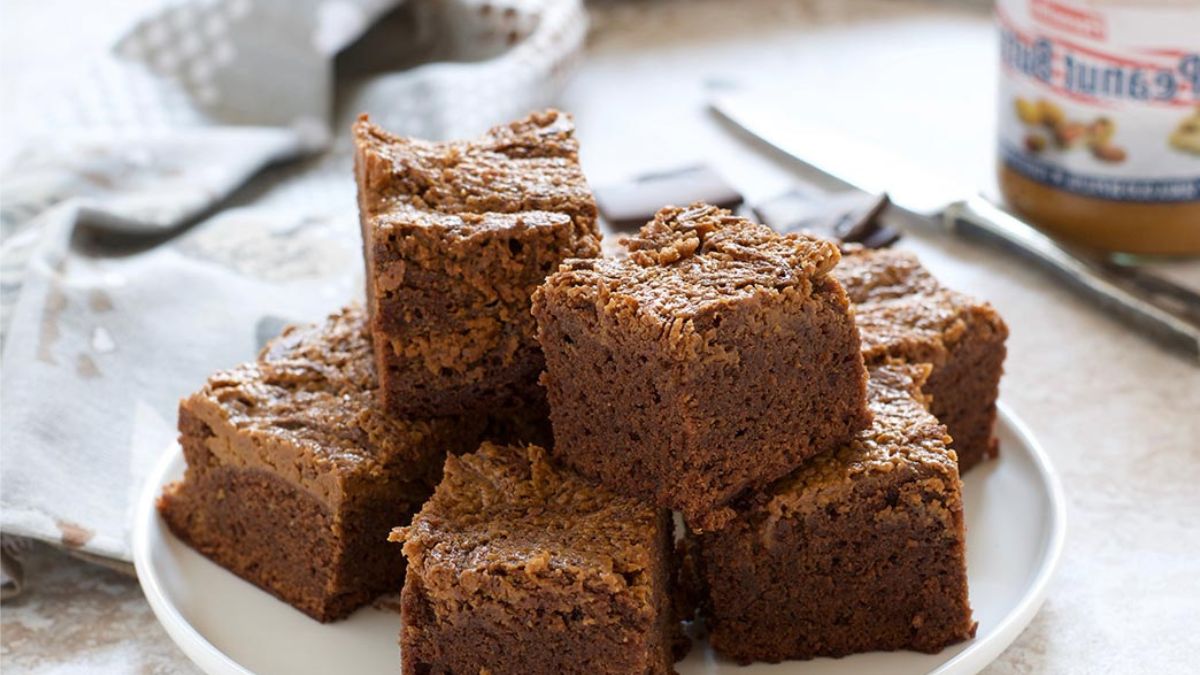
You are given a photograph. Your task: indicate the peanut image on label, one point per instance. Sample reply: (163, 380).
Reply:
(1097, 135)
(1108, 153)
(1068, 134)
(1050, 113)
(1028, 111)
(1100, 131)
(1186, 136)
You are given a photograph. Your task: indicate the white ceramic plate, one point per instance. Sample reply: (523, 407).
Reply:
(1016, 526)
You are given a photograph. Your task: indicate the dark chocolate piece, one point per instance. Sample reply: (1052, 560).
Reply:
(844, 217)
(629, 205)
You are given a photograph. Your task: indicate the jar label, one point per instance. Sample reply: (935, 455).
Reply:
(1102, 98)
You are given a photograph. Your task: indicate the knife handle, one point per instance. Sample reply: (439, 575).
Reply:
(979, 218)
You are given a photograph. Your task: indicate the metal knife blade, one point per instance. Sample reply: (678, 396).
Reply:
(1151, 303)
(851, 161)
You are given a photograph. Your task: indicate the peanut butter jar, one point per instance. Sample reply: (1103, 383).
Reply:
(1099, 121)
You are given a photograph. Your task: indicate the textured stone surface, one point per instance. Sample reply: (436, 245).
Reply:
(76, 617)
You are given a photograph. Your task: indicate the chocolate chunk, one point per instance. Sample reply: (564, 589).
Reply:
(847, 217)
(882, 237)
(630, 204)
(784, 212)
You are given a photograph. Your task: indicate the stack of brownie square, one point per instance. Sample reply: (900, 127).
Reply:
(778, 394)
(718, 370)
(301, 463)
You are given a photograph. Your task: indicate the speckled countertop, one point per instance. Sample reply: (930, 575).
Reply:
(1120, 417)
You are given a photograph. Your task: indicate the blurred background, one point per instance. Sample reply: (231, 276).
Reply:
(176, 185)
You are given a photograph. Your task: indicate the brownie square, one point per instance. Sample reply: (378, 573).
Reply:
(456, 236)
(295, 475)
(861, 549)
(516, 566)
(713, 360)
(903, 312)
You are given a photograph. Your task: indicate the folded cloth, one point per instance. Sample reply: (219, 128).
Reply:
(145, 249)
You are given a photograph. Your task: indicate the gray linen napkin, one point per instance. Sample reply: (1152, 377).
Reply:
(155, 242)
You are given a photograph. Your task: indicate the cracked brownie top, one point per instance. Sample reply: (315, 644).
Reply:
(312, 391)
(904, 437)
(691, 261)
(903, 311)
(527, 166)
(508, 511)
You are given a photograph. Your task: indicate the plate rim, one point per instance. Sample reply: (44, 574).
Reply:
(203, 653)
(977, 657)
(971, 660)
